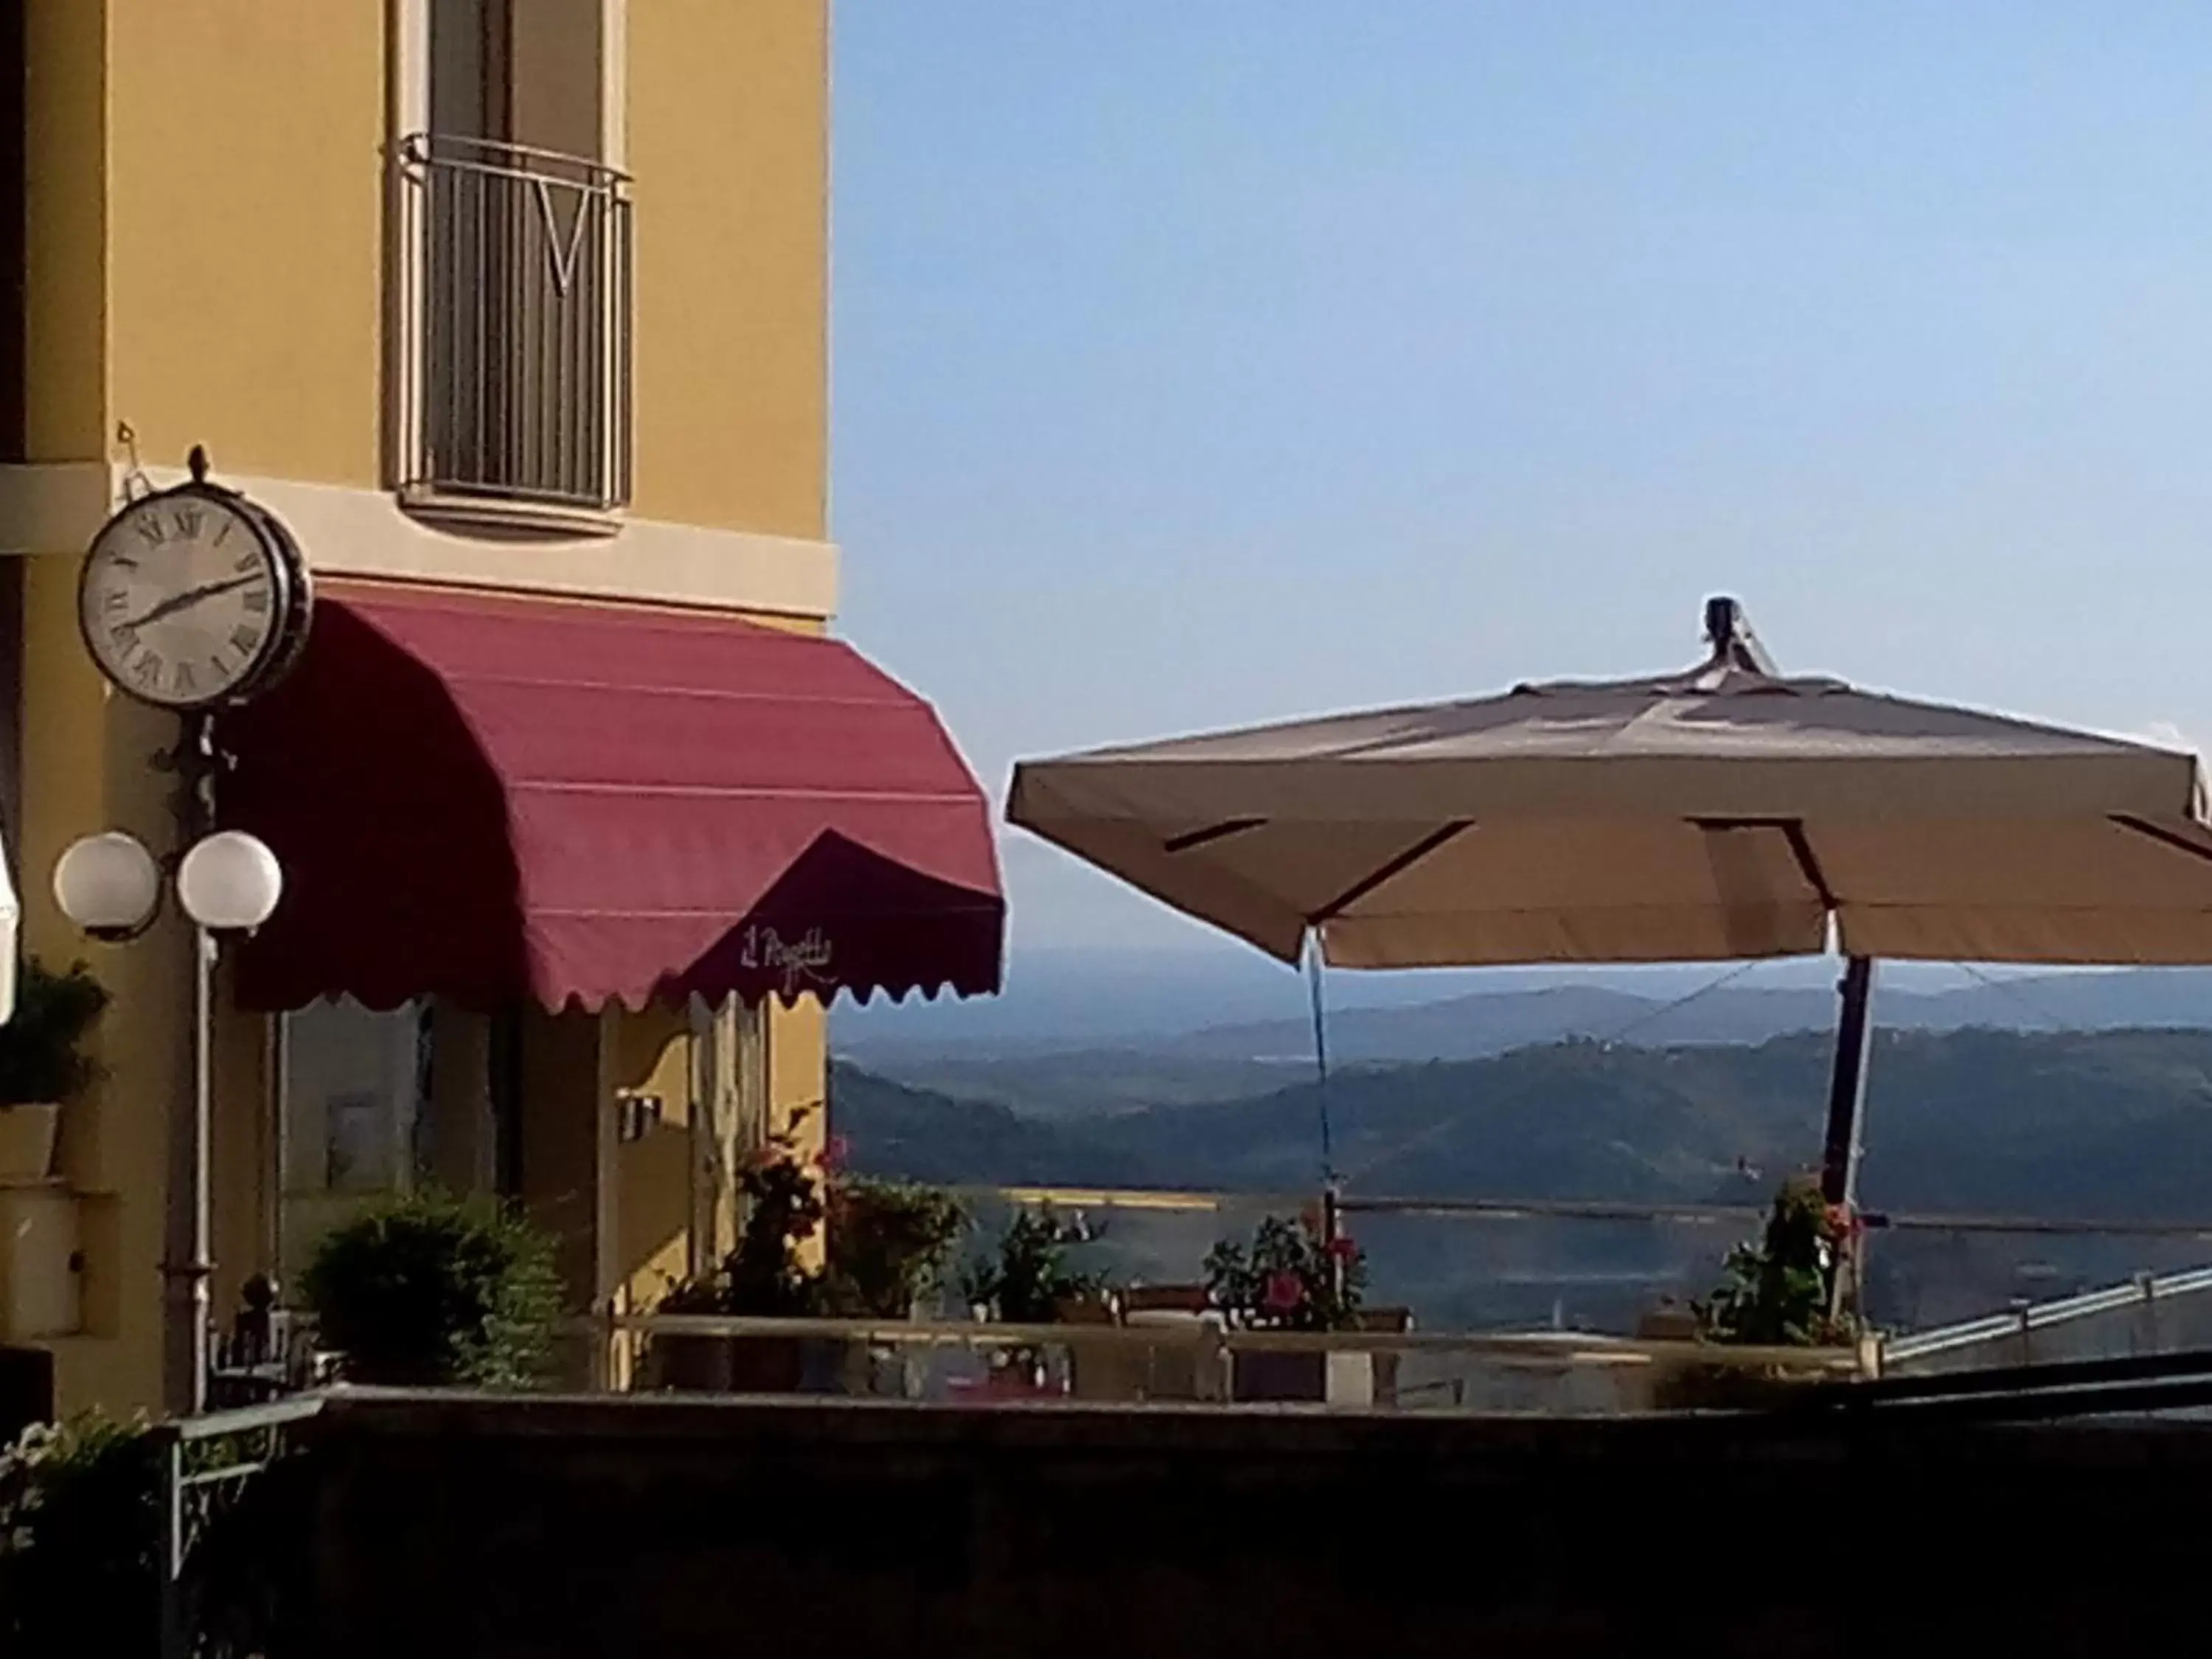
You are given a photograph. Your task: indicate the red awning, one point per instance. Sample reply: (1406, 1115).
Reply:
(489, 799)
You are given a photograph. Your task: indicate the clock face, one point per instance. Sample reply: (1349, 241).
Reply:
(185, 598)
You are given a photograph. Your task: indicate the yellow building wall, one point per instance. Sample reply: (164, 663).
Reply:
(66, 225)
(656, 1056)
(654, 1196)
(247, 243)
(798, 1073)
(246, 232)
(728, 127)
(207, 260)
(85, 767)
(84, 752)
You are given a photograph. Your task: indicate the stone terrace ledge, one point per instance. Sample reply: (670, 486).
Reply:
(487, 1526)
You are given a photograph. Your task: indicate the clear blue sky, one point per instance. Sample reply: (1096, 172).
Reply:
(1205, 361)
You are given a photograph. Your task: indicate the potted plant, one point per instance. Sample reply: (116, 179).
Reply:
(43, 1065)
(889, 1244)
(1028, 1279)
(428, 1291)
(1780, 1292)
(1288, 1278)
(765, 1277)
(886, 1247)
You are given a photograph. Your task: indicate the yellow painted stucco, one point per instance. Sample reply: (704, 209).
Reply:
(798, 1091)
(245, 231)
(65, 200)
(728, 136)
(655, 1058)
(209, 259)
(85, 766)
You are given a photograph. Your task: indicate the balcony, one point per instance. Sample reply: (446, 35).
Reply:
(514, 363)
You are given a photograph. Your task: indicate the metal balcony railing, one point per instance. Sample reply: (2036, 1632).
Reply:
(515, 369)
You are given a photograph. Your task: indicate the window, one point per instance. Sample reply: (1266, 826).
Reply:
(377, 1102)
(516, 263)
(354, 1099)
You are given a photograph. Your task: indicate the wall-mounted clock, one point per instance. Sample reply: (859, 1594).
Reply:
(194, 597)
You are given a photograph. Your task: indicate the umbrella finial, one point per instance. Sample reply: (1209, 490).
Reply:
(1727, 630)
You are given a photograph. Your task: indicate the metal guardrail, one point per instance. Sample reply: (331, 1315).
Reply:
(208, 1461)
(1194, 1200)
(516, 380)
(2011, 1336)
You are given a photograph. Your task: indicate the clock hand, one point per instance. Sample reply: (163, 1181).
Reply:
(190, 596)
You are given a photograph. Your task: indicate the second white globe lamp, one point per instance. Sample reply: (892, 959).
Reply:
(230, 882)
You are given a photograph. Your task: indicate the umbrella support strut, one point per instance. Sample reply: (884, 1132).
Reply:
(1840, 1153)
(1839, 1156)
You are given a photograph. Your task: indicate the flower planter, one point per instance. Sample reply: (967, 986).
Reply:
(1277, 1376)
(27, 1134)
(1336, 1379)
(1722, 1388)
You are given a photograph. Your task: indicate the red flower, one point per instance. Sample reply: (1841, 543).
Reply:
(1343, 1248)
(1286, 1292)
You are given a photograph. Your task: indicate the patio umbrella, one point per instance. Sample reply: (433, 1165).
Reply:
(1725, 813)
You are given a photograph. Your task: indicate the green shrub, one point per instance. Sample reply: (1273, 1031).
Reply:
(41, 1056)
(430, 1290)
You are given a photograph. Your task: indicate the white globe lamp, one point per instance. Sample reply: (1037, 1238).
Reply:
(108, 884)
(230, 882)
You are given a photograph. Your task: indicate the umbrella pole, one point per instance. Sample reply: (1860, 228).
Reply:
(1839, 1154)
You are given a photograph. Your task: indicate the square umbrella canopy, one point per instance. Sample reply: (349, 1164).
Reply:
(1725, 813)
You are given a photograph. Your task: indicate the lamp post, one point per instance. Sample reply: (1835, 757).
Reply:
(228, 882)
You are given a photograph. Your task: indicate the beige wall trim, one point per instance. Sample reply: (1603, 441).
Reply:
(613, 84)
(45, 507)
(58, 507)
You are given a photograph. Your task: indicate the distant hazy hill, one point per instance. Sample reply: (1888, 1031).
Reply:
(928, 1136)
(1465, 1027)
(2105, 1126)
(2110, 1123)
(1235, 1003)
(1225, 1061)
